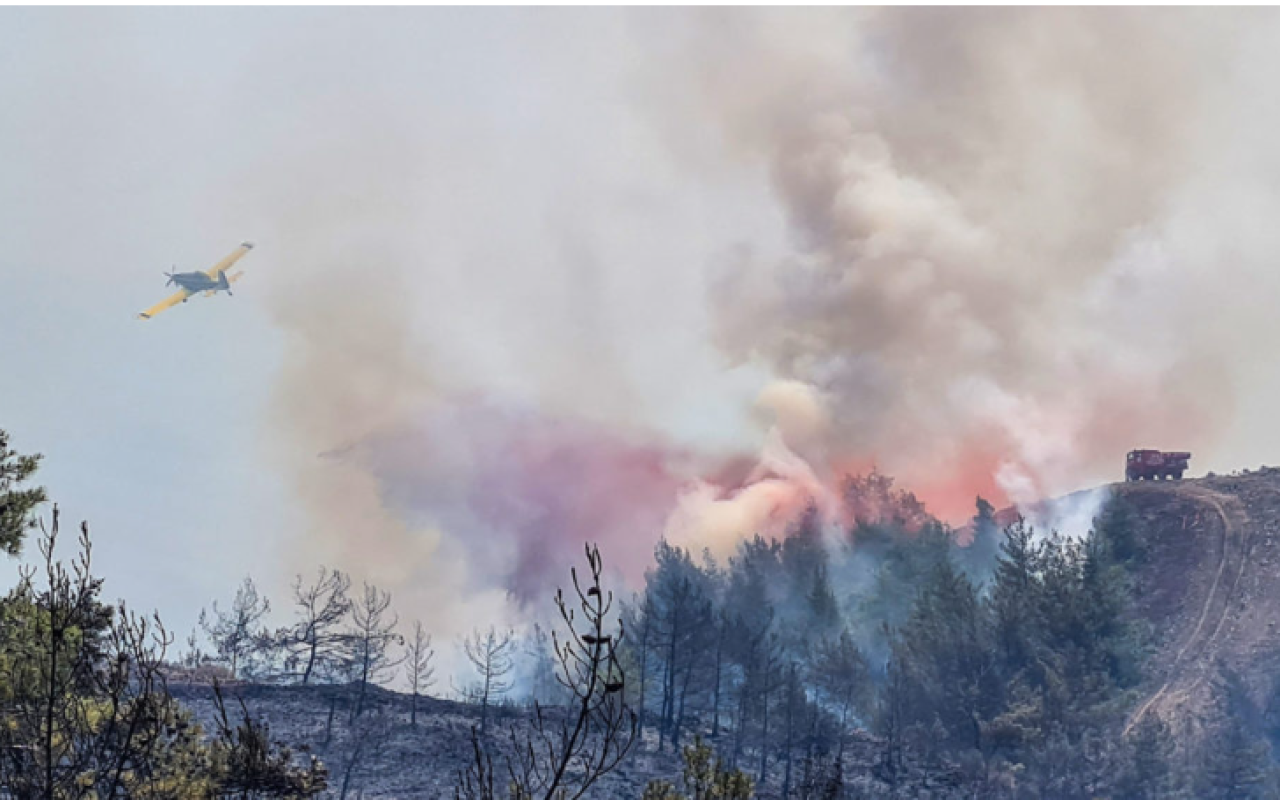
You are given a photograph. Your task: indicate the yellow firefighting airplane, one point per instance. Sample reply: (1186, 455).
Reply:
(210, 282)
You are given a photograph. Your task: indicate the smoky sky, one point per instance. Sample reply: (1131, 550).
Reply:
(528, 278)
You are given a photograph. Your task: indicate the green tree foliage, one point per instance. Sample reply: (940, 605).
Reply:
(1147, 770)
(84, 708)
(803, 558)
(842, 678)
(1010, 669)
(246, 763)
(18, 500)
(1115, 526)
(705, 778)
(947, 661)
(1237, 760)
(979, 555)
(902, 565)
(1237, 764)
(1064, 642)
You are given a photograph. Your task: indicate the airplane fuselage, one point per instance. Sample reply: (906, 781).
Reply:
(200, 282)
(215, 279)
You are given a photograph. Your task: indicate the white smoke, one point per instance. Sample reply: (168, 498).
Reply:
(985, 279)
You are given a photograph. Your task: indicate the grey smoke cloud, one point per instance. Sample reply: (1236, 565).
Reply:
(987, 273)
(982, 250)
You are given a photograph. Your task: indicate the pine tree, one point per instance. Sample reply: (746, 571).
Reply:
(679, 607)
(821, 604)
(978, 557)
(18, 502)
(945, 653)
(313, 644)
(1016, 601)
(1112, 642)
(418, 655)
(803, 557)
(490, 653)
(842, 678)
(705, 778)
(368, 659)
(1237, 764)
(1146, 772)
(1116, 526)
(237, 633)
(1237, 761)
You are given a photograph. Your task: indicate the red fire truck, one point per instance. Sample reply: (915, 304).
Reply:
(1154, 465)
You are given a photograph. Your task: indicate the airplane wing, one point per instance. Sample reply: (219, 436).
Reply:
(225, 264)
(168, 302)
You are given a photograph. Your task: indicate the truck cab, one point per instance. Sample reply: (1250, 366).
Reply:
(1154, 465)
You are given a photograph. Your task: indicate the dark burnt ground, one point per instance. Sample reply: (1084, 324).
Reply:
(423, 762)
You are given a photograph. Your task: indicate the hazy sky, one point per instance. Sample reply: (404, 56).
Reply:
(493, 154)
(542, 256)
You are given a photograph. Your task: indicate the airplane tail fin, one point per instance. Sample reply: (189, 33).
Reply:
(223, 283)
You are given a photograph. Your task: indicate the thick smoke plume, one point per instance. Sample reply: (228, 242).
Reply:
(979, 281)
(979, 251)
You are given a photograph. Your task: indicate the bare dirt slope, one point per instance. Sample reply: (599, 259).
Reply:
(1210, 587)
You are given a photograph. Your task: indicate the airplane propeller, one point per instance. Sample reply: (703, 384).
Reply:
(169, 275)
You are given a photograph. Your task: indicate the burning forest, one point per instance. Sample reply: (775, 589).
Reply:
(642, 403)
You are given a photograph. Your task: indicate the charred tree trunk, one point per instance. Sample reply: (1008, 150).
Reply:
(791, 700)
(669, 683)
(351, 767)
(684, 694)
(311, 663)
(764, 734)
(740, 733)
(484, 705)
(644, 663)
(715, 692)
(358, 707)
(328, 726)
(844, 725)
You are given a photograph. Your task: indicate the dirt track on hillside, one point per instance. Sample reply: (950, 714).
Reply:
(1209, 588)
